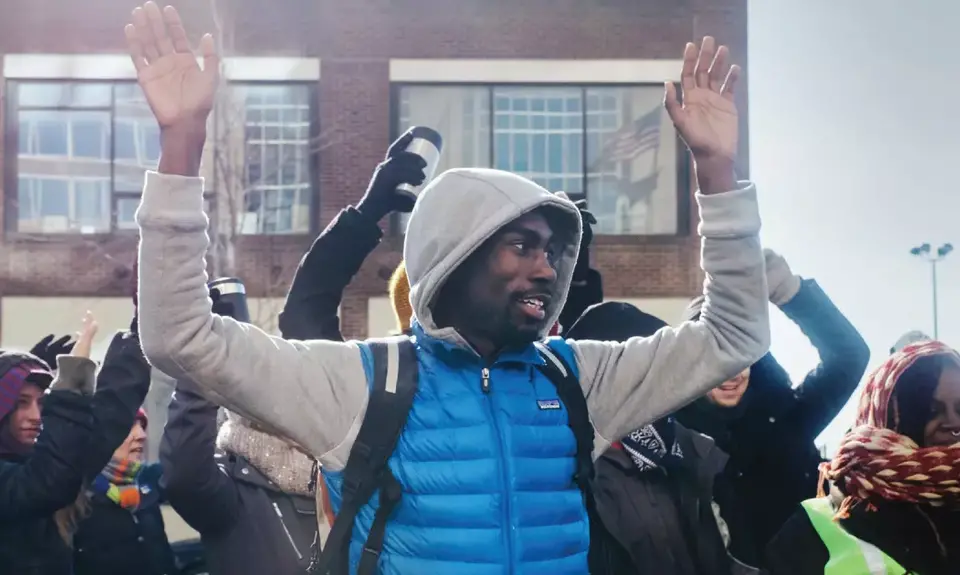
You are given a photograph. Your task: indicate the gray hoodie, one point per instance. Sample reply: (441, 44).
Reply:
(315, 392)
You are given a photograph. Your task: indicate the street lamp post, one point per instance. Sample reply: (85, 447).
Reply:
(926, 252)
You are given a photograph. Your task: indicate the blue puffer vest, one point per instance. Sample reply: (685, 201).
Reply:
(487, 477)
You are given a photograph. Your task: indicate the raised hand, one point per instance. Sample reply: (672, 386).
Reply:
(707, 118)
(179, 92)
(85, 337)
(47, 349)
(399, 167)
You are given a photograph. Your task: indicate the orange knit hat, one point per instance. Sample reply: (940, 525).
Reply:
(400, 294)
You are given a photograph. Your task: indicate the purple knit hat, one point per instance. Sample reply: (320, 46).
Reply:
(16, 369)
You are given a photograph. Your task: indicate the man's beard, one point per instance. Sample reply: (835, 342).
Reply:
(510, 335)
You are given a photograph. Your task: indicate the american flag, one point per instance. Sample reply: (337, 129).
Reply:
(634, 138)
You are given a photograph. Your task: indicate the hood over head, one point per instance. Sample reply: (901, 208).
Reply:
(614, 321)
(17, 368)
(898, 394)
(455, 214)
(880, 458)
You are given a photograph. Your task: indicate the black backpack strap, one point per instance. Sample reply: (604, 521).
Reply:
(571, 395)
(395, 371)
(602, 548)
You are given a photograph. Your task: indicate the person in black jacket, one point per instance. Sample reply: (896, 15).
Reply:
(247, 492)
(654, 488)
(894, 506)
(122, 531)
(41, 467)
(767, 426)
(586, 288)
(310, 310)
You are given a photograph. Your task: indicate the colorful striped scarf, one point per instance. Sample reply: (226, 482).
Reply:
(118, 482)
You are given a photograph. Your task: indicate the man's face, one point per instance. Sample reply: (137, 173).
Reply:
(943, 427)
(24, 423)
(510, 281)
(730, 392)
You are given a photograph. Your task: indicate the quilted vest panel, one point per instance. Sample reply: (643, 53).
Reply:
(487, 476)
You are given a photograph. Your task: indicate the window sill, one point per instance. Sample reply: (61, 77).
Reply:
(612, 240)
(641, 240)
(66, 237)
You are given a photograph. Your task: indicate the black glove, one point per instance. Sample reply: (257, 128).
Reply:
(583, 258)
(399, 167)
(47, 349)
(124, 347)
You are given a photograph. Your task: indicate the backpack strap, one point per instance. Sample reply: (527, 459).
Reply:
(571, 395)
(395, 372)
(605, 553)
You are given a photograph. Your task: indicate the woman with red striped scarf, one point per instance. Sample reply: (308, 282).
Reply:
(894, 506)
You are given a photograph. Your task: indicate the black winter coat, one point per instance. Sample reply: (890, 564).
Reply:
(665, 520)
(770, 435)
(114, 541)
(924, 540)
(34, 487)
(247, 525)
(310, 311)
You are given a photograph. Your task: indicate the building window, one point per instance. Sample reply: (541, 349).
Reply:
(276, 160)
(612, 145)
(83, 147)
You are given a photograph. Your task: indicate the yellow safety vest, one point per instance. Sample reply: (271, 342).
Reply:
(848, 555)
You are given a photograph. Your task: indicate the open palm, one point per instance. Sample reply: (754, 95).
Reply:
(707, 119)
(175, 86)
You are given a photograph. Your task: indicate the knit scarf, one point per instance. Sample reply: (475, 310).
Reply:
(874, 461)
(289, 468)
(118, 481)
(653, 446)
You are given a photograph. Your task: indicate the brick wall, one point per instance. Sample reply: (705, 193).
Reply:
(355, 39)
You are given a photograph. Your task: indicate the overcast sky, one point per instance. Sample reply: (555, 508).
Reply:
(854, 149)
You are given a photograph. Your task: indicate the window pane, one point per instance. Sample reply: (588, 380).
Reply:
(46, 133)
(28, 207)
(92, 201)
(136, 140)
(531, 126)
(64, 95)
(61, 155)
(459, 114)
(274, 121)
(54, 198)
(462, 116)
(89, 136)
(125, 141)
(631, 160)
(126, 208)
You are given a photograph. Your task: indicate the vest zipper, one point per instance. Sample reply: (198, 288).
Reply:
(287, 531)
(502, 463)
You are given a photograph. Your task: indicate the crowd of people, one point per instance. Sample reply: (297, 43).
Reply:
(516, 422)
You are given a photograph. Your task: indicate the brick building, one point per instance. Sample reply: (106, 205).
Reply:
(564, 91)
